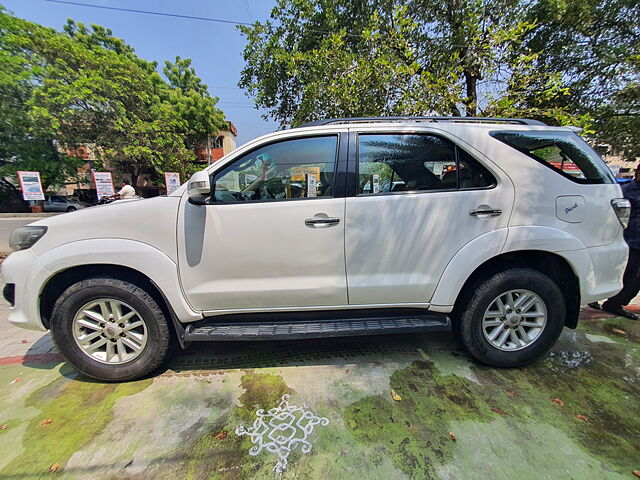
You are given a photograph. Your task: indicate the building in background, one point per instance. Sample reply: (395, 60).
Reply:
(621, 166)
(224, 143)
(148, 184)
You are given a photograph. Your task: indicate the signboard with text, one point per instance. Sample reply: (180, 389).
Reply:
(375, 180)
(171, 181)
(104, 184)
(312, 185)
(31, 186)
(298, 173)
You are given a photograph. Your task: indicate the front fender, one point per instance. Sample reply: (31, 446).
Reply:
(149, 261)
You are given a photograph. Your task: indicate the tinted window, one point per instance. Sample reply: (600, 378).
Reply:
(299, 168)
(397, 163)
(564, 152)
(472, 173)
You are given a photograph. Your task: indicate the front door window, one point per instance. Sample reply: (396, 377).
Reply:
(288, 170)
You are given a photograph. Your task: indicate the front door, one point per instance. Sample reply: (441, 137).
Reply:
(413, 210)
(272, 235)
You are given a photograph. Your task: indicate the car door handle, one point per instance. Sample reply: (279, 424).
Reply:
(321, 221)
(489, 212)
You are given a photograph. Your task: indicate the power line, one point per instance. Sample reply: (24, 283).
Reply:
(246, 6)
(149, 12)
(207, 19)
(176, 15)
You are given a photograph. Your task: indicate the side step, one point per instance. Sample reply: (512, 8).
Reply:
(291, 330)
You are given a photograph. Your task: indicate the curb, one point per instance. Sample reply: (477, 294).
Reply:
(28, 215)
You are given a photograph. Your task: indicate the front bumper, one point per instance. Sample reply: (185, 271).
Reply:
(23, 270)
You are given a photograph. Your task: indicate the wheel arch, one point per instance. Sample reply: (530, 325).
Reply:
(548, 263)
(62, 280)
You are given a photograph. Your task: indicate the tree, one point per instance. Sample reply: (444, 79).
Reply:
(190, 100)
(595, 45)
(24, 146)
(323, 58)
(84, 86)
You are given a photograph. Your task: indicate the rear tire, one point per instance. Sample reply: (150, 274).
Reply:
(489, 316)
(110, 329)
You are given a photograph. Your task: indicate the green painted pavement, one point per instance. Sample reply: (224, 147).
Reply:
(181, 423)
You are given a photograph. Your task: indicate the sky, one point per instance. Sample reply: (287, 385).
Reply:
(215, 48)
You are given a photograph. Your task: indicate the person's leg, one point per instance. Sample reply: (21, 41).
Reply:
(630, 287)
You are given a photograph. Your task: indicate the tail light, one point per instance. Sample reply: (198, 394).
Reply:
(622, 207)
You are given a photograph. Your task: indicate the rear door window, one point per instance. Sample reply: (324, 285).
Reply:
(563, 152)
(392, 163)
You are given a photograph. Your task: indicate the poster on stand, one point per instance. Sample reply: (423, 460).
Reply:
(312, 185)
(172, 181)
(375, 180)
(31, 186)
(104, 184)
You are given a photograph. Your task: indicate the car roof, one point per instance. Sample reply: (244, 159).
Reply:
(468, 120)
(444, 123)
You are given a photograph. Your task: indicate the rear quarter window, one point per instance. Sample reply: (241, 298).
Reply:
(564, 152)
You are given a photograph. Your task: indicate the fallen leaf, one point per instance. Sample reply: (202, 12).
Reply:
(557, 401)
(636, 473)
(347, 370)
(511, 393)
(54, 468)
(3, 427)
(25, 341)
(583, 418)
(17, 380)
(452, 436)
(499, 411)
(395, 396)
(618, 331)
(46, 421)
(221, 435)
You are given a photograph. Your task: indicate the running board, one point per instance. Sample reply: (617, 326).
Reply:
(292, 330)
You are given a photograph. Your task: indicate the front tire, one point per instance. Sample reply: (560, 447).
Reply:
(110, 329)
(511, 318)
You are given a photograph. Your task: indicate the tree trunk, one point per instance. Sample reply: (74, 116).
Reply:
(134, 178)
(471, 102)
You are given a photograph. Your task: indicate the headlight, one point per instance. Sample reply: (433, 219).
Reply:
(25, 237)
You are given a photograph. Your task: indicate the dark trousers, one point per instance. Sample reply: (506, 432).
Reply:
(630, 280)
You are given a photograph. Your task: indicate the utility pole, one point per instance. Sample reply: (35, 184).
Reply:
(208, 150)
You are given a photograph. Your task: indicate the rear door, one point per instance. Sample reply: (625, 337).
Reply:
(418, 199)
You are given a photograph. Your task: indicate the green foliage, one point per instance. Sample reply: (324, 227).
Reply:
(334, 58)
(594, 46)
(59, 90)
(567, 62)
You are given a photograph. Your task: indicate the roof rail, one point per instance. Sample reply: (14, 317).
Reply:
(338, 121)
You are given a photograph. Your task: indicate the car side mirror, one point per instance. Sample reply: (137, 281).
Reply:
(199, 188)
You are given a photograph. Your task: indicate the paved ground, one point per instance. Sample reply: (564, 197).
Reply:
(410, 406)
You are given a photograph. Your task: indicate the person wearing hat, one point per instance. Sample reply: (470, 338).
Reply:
(631, 277)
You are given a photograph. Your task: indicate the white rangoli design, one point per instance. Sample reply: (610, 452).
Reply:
(281, 430)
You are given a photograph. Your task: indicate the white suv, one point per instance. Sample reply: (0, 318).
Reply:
(497, 228)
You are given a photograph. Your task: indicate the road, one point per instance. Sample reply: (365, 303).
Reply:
(8, 225)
